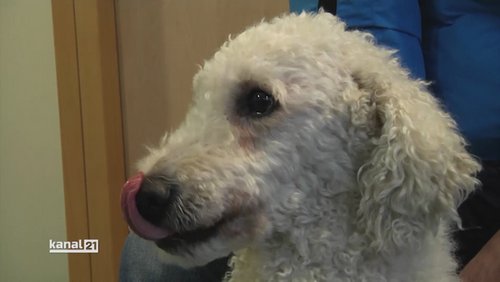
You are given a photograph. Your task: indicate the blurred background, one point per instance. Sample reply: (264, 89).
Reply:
(31, 176)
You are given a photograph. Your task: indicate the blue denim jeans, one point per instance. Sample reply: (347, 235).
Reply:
(140, 263)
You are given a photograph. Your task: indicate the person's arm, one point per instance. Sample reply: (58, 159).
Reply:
(297, 6)
(485, 266)
(394, 23)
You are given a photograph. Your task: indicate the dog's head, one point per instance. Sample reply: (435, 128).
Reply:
(290, 111)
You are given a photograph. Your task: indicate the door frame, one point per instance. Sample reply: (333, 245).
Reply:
(91, 132)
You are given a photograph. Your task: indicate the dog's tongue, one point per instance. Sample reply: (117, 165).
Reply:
(136, 222)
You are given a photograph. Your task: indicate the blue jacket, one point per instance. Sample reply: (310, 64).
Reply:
(455, 44)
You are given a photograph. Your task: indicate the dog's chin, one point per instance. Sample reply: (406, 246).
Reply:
(197, 257)
(201, 246)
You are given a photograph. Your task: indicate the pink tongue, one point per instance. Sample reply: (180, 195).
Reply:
(136, 222)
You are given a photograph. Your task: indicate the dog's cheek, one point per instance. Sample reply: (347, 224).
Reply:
(246, 227)
(246, 143)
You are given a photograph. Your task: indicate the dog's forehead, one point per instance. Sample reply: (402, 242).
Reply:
(270, 50)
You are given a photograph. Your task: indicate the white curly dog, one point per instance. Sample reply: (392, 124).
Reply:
(311, 155)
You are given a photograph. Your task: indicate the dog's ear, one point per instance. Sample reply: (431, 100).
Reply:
(419, 169)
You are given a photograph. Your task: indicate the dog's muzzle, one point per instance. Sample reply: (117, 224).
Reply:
(143, 206)
(153, 208)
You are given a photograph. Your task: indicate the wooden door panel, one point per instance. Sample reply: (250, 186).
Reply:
(162, 44)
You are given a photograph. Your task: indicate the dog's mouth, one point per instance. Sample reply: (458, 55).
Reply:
(181, 241)
(167, 239)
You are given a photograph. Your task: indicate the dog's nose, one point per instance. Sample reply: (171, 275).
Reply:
(155, 196)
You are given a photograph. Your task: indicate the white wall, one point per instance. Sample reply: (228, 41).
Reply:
(31, 186)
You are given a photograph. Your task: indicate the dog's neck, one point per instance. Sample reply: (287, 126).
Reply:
(306, 247)
(330, 249)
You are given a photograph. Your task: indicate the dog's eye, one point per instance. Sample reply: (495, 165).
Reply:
(257, 103)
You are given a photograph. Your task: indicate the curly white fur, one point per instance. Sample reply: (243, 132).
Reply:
(355, 177)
